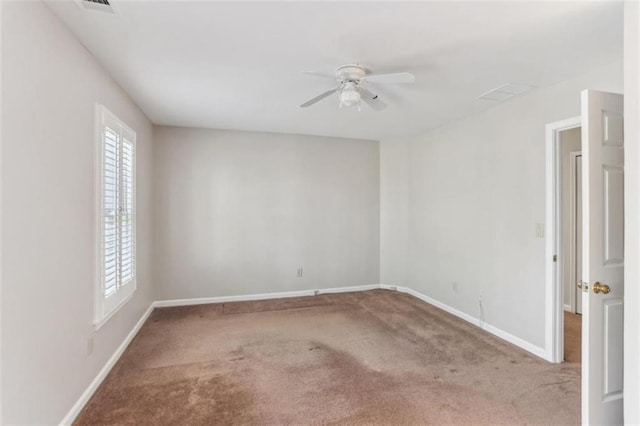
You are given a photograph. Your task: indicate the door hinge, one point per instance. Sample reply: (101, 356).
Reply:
(555, 257)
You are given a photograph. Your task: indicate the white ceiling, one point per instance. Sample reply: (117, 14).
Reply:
(238, 65)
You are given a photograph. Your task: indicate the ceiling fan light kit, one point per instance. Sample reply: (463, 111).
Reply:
(349, 96)
(352, 81)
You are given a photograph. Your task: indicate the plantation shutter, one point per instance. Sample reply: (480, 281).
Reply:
(110, 192)
(127, 248)
(117, 231)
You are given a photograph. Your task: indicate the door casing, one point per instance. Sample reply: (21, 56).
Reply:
(554, 305)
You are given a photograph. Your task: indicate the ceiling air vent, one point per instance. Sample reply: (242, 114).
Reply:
(100, 5)
(506, 91)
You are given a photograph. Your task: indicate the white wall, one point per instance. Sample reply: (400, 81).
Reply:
(50, 84)
(238, 212)
(474, 191)
(1, 6)
(394, 210)
(570, 141)
(632, 212)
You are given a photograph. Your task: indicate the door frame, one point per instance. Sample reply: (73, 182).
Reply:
(554, 305)
(573, 231)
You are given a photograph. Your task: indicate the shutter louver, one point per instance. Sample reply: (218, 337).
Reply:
(127, 248)
(111, 193)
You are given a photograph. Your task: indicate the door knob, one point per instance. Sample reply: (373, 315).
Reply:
(601, 288)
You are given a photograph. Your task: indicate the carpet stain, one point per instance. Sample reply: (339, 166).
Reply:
(375, 357)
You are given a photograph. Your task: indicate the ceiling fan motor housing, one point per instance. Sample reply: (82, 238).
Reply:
(351, 72)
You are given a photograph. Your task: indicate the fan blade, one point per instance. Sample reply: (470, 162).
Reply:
(320, 74)
(372, 100)
(319, 97)
(398, 77)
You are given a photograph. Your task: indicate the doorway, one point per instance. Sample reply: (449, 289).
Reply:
(563, 307)
(570, 255)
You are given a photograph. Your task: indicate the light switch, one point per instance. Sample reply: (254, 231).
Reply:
(540, 230)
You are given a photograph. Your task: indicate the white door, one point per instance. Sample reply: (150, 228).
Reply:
(602, 257)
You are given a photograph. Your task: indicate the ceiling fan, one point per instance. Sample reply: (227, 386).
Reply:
(352, 86)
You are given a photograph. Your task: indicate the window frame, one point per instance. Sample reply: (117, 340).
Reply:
(106, 306)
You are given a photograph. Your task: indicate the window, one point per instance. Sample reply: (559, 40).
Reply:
(116, 201)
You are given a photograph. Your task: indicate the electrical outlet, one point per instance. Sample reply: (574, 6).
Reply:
(540, 230)
(300, 272)
(89, 345)
(454, 287)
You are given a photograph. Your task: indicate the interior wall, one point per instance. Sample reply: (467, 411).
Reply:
(1, 6)
(570, 141)
(475, 192)
(239, 212)
(632, 212)
(394, 210)
(50, 84)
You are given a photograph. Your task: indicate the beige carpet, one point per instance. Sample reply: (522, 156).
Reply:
(572, 337)
(376, 357)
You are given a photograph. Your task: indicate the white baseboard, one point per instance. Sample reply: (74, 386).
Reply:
(88, 393)
(349, 289)
(389, 287)
(261, 296)
(567, 308)
(527, 346)
(473, 320)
